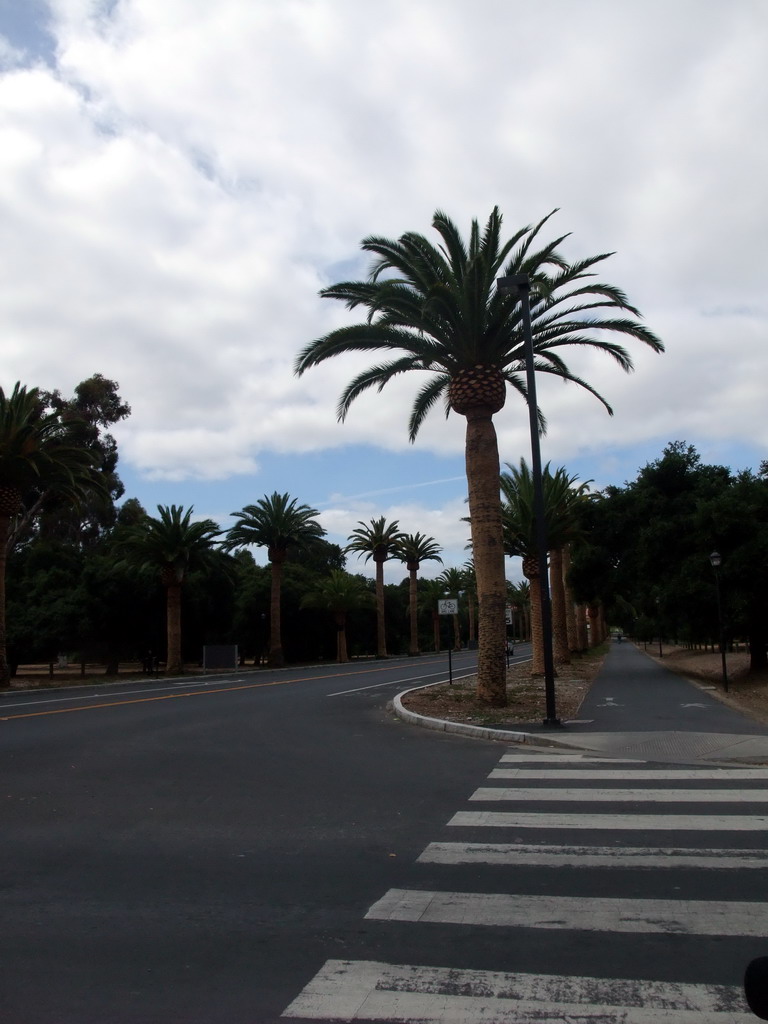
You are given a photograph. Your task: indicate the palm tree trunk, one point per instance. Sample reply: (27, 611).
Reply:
(582, 633)
(341, 637)
(537, 629)
(594, 625)
(276, 658)
(570, 607)
(381, 629)
(5, 670)
(173, 665)
(561, 650)
(471, 616)
(483, 473)
(436, 630)
(456, 634)
(413, 650)
(603, 623)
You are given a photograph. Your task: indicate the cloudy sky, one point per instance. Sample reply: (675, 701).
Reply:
(178, 179)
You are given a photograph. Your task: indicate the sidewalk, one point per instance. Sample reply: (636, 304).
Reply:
(636, 708)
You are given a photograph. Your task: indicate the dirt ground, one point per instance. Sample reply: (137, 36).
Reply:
(525, 695)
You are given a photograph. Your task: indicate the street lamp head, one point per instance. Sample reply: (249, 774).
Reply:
(715, 560)
(515, 285)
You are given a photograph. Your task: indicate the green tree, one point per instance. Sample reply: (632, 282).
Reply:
(649, 544)
(377, 540)
(279, 524)
(94, 407)
(413, 549)
(38, 457)
(437, 310)
(340, 593)
(171, 545)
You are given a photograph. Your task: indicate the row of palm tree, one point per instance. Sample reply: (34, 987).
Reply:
(37, 457)
(40, 457)
(564, 504)
(174, 544)
(436, 310)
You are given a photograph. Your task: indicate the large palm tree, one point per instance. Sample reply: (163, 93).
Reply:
(378, 540)
(437, 310)
(278, 524)
(340, 593)
(173, 545)
(38, 457)
(413, 549)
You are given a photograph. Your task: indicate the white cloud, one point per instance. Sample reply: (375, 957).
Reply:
(177, 188)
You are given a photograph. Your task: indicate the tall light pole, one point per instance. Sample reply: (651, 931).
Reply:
(519, 286)
(715, 560)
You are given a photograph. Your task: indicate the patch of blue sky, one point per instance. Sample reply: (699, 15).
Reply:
(358, 474)
(25, 25)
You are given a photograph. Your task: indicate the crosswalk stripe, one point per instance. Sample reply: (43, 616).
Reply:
(646, 795)
(375, 991)
(591, 856)
(639, 774)
(367, 990)
(597, 914)
(623, 822)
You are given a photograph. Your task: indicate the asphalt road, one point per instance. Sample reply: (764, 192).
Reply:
(275, 843)
(191, 853)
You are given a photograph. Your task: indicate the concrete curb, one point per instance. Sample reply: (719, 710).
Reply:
(462, 729)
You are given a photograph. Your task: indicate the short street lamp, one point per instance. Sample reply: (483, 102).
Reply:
(715, 560)
(519, 286)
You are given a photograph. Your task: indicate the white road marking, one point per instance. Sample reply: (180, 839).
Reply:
(623, 822)
(596, 914)
(409, 681)
(563, 758)
(367, 990)
(591, 856)
(659, 796)
(137, 692)
(640, 774)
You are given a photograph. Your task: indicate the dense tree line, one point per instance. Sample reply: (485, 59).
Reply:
(647, 547)
(86, 577)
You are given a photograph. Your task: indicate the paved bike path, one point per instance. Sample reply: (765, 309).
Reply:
(637, 707)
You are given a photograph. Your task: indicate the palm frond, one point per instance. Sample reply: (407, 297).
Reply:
(425, 399)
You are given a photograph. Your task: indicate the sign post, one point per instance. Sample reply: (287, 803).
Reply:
(449, 606)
